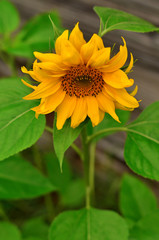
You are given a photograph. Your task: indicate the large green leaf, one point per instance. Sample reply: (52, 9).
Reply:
(8, 231)
(9, 17)
(147, 228)
(19, 179)
(142, 144)
(113, 19)
(37, 35)
(65, 137)
(89, 224)
(19, 129)
(136, 199)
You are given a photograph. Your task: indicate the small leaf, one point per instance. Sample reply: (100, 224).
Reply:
(113, 19)
(35, 228)
(19, 129)
(65, 137)
(8, 231)
(19, 179)
(9, 17)
(136, 199)
(89, 224)
(147, 228)
(142, 143)
(37, 35)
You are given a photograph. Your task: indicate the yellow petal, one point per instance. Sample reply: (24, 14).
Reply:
(44, 89)
(31, 73)
(59, 41)
(134, 92)
(65, 110)
(88, 49)
(117, 79)
(70, 55)
(48, 57)
(93, 110)
(46, 75)
(79, 113)
(117, 61)
(122, 96)
(106, 105)
(51, 102)
(97, 41)
(119, 106)
(76, 37)
(52, 66)
(130, 64)
(99, 57)
(27, 84)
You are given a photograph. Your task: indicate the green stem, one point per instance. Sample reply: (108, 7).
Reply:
(88, 161)
(73, 145)
(91, 169)
(102, 132)
(47, 198)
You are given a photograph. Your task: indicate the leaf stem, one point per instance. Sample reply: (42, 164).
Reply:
(102, 132)
(73, 145)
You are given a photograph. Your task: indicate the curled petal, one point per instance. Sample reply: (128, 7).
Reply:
(122, 96)
(117, 61)
(130, 64)
(76, 37)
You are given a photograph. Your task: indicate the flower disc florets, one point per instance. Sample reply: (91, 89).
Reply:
(81, 79)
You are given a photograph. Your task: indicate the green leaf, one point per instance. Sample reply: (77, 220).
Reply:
(8, 231)
(108, 122)
(59, 179)
(65, 137)
(37, 35)
(147, 228)
(142, 144)
(113, 19)
(89, 224)
(19, 179)
(19, 129)
(136, 199)
(74, 193)
(9, 17)
(35, 228)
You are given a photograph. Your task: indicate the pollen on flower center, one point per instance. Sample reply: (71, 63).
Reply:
(81, 81)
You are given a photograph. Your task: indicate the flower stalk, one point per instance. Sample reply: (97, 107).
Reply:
(88, 163)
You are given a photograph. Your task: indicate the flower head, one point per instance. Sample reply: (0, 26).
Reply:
(81, 79)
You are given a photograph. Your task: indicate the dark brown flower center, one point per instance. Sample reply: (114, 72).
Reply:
(81, 81)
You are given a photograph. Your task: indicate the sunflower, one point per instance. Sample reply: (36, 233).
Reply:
(81, 79)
